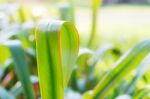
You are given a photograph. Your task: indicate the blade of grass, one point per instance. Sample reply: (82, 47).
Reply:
(123, 66)
(57, 49)
(21, 66)
(141, 70)
(95, 6)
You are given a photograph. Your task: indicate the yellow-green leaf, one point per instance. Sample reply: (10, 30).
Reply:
(57, 45)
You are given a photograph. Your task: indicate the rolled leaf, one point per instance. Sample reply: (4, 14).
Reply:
(57, 45)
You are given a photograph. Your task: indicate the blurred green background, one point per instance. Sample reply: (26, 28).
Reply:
(120, 23)
(123, 22)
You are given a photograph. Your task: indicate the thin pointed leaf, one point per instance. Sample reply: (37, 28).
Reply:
(141, 70)
(21, 67)
(123, 66)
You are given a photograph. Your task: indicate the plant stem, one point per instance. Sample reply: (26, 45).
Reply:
(95, 6)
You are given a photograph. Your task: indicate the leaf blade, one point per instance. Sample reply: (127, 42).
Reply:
(125, 65)
(57, 49)
(21, 67)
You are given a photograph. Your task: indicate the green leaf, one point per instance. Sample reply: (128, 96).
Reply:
(140, 71)
(21, 66)
(121, 68)
(57, 45)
